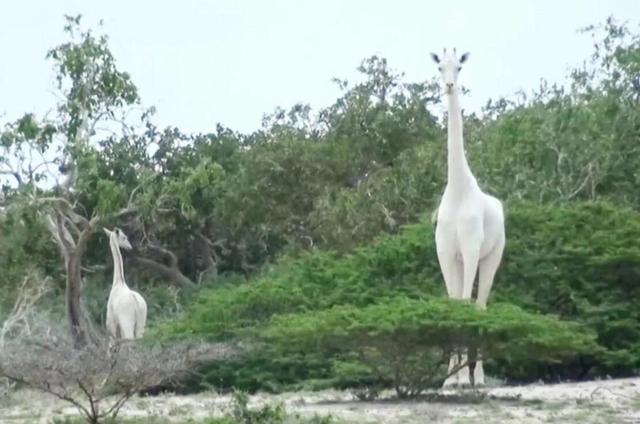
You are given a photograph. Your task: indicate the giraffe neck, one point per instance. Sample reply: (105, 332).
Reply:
(118, 268)
(458, 171)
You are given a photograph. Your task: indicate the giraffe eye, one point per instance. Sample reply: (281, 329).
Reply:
(440, 68)
(459, 68)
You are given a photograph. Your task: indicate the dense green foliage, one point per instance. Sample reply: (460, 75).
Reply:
(579, 261)
(317, 210)
(407, 341)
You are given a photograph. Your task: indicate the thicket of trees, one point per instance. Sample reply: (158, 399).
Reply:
(312, 192)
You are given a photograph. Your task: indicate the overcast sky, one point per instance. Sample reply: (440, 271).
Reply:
(203, 61)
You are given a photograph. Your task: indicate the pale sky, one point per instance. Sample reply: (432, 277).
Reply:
(201, 62)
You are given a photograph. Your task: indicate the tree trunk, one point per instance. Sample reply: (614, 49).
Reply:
(208, 258)
(73, 294)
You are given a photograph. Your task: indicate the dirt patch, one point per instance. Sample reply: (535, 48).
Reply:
(607, 401)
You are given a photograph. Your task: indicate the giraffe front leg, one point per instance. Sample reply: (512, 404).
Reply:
(112, 327)
(471, 237)
(450, 267)
(486, 274)
(470, 259)
(452, 272)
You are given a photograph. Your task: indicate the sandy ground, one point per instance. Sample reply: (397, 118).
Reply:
(607, 401)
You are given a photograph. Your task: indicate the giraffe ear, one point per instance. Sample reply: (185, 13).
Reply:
(435, 57)
(107, 232)
(464, 57)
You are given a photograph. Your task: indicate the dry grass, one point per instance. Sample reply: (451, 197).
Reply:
(611, 401)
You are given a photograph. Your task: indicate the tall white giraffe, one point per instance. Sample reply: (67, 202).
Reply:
(469, 234)
(126, 308)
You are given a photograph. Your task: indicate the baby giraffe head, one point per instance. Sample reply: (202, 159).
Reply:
(449, 66)
(119, 237)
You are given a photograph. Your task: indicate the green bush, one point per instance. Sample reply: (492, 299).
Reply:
(315, 280)
(408, 342)
(580, 261)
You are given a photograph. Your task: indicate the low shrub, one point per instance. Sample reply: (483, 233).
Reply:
(408, 342)
(579, 261)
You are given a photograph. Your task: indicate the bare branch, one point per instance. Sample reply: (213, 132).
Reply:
(132, 195)
(68, 220)
(54, 200)
(30, 292)
(172, 273)
(171, 257)
(210, 259)
(14, 174)
(583, 184)
(61, 235)
(98, 378)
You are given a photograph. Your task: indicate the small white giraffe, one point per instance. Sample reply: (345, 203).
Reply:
(126, 309)
(469, 234)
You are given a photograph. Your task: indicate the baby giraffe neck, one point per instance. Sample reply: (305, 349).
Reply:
(118, 268)
(458, 171)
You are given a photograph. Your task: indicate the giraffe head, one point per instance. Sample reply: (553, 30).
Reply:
(119, 237)
(449, 66)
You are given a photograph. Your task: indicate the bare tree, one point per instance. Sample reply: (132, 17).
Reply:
(99, 378)
(20, 319)
(96, 377)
